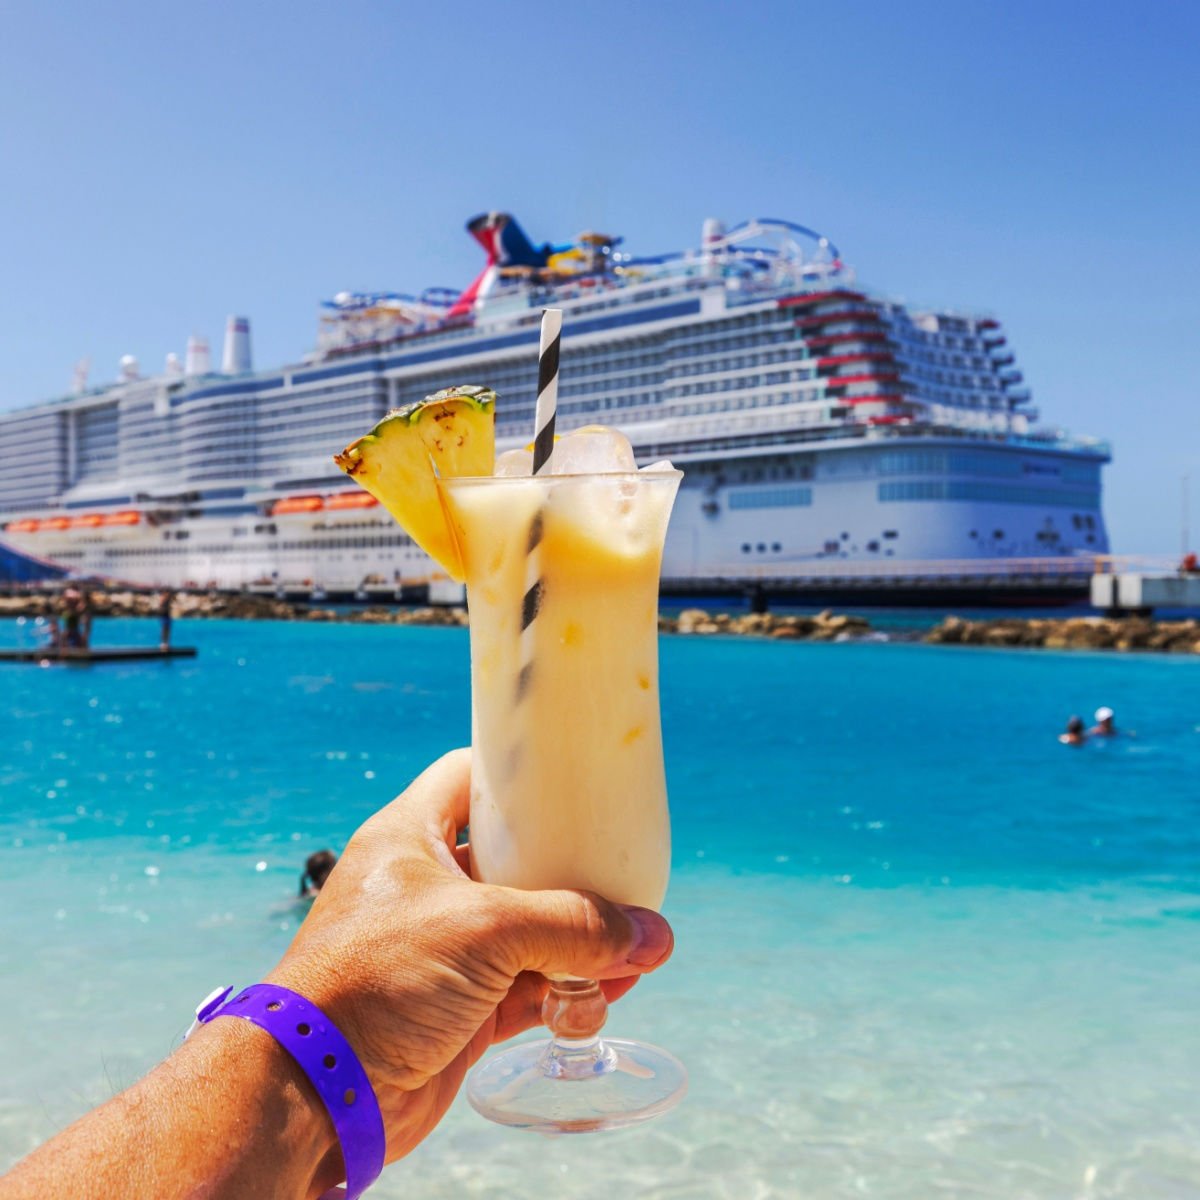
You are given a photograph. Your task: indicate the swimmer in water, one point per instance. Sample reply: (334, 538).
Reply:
(1104, 726)
(316, 870)
(1074, 735)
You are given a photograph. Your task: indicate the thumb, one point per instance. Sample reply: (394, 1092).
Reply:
(581, 934)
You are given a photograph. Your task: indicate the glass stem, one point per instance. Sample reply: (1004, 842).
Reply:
(575, 1011)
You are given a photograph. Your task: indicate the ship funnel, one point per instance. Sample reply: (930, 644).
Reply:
(236, 358)
(196, 361)
(174, 368)
(712, 232)
(129, 368)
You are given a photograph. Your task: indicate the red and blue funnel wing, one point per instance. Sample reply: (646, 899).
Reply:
(505, 242)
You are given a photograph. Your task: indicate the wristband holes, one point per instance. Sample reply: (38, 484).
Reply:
(303, 1030)
(274, 1006)
(329, 1061)
(348, 1096)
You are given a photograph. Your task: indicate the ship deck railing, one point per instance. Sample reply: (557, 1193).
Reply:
(1077, 568)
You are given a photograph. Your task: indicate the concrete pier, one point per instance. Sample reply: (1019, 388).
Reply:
(1134, 592)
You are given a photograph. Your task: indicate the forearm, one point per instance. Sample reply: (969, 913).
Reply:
(229, 1114)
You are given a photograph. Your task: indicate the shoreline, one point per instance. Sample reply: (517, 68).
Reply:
(1049, 633)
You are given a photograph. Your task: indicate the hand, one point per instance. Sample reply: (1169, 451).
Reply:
(423, 969)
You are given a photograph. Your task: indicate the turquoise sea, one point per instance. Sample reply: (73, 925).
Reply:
(923, 950)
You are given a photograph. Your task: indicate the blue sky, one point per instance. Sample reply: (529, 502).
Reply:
(165, 165)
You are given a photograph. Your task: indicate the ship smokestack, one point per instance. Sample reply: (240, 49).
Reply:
(129, 368)
(236, 358)
(713, 231)
(197, 361)
(174, 368)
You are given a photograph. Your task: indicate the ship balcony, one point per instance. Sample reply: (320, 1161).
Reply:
(1008, 378)
(993, 343)
(863, 356)
(810, 298)
(872, 337)
(987, 323)
(834, 383)
(1018, 395)
(1004, 360)
(868, 316)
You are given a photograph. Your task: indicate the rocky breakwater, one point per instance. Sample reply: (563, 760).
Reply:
(1071, 633)
(823, 627)
(239, 606)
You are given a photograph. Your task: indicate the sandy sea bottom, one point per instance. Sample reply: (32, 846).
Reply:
(922, 949)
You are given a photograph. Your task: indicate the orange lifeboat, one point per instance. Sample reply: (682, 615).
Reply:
(27, 526)
(87, 521)
(350, 500)
(297, 504)
(56, 523)
(126, 516)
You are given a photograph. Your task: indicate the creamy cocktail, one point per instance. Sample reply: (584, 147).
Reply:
(568, 787)
(560, 548)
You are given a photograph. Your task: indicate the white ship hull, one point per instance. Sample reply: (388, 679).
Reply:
(777, 517)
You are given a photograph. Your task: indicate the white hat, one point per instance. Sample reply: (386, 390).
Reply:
(1104, 714)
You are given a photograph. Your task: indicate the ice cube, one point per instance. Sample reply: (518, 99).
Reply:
(514, 462)
(593, 450)
(663, 464)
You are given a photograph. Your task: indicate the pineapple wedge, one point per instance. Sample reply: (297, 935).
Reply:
(447, 434)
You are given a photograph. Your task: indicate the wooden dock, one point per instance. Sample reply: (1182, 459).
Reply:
(97, 654)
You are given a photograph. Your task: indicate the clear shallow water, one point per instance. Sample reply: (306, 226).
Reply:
(923, 950)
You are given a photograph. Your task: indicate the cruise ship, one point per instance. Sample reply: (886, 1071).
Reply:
(832, 438)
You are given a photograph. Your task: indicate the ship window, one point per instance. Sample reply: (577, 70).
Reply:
(891, 533)
(761, 547)
(776, 547)
(845, 537)
(872, 545)
(997, 534)
(745, 547)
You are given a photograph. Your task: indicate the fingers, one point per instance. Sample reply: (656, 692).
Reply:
(440, 798)
(577, 933)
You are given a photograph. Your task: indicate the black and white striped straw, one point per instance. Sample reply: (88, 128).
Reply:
(543, 450)
(547, 394)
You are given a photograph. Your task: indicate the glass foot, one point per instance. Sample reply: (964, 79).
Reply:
(564, 1086)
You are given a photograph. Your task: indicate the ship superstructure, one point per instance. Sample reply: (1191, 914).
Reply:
(817, 423)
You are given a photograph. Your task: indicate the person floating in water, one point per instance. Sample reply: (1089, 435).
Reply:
(316, 870)
(1104, 726)
(1074, 735)
(165, 599)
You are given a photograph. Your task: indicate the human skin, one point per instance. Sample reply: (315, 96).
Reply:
(420, 967)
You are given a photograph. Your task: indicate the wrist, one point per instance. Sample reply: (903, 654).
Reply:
(237, 1070)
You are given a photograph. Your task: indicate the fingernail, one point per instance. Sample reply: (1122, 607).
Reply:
(651, 936)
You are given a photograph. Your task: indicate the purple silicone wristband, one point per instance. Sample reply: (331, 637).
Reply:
(313, 1040)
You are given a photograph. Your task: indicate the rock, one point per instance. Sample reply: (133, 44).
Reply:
(689, 619)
